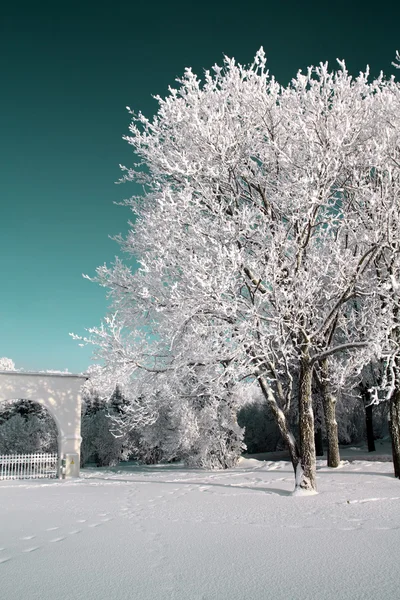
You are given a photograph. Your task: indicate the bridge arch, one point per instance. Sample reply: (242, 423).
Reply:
(60, 393)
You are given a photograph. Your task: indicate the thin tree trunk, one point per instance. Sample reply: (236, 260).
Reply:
(370, 427)
(394, 403)
(318, 435)
(281, 421)
(394, 427)
(319, 446)
(306, 476)
(329, 404)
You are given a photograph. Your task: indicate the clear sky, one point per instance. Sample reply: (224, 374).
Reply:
(67, 72)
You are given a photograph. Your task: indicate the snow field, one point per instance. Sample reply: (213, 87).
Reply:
(167, 532)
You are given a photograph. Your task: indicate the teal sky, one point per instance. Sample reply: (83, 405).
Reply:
(67, 72)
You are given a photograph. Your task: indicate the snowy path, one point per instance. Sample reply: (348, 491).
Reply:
(173, 533)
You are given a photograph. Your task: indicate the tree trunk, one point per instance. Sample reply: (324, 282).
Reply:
(306, 476)
(394, 427)
(281, 421)
(329, 404)
(370, 428)
(319, 446)
(318, 435)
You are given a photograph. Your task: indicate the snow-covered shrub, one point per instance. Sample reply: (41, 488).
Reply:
(7, 364)
(99, 445)
(216, 440)
(194, 420)
(350, 417)
(204, 435)
(26, 427)
(159, 441)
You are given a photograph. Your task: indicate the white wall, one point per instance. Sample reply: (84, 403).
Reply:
(60, 394)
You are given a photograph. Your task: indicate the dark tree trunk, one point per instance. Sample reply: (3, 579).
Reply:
(306, 476)
(318, 433)
(370, 427)
(394, 427)
(318, 439)
(329, 404)
(394, 403)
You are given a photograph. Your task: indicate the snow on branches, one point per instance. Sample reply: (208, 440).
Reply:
(265, 238)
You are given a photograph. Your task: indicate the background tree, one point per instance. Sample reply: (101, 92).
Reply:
(7, 364)
(25, 426)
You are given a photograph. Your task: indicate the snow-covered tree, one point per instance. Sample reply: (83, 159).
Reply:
(257, 254)
(26, 427)
(99, 444)
(189, 417)
(7, 364)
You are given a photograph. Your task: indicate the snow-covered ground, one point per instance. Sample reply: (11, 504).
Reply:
(166, 532)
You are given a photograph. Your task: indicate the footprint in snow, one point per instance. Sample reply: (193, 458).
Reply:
(365, 500)
(29, 550)
(4, 560)
(59, 539)
(27, 537)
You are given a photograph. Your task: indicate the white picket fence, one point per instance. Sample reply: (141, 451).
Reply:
(28, 466)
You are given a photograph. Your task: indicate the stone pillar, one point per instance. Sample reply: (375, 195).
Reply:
(69, 456)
